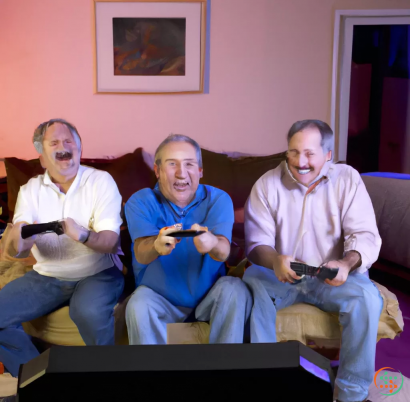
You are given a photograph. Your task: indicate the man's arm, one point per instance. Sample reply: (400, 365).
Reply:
(148, 249)
(217, 246)
(263, 255)
(105, 242)
(362, 240)
(260, 234)
(144, 250)
(359, 225)
(221, 250)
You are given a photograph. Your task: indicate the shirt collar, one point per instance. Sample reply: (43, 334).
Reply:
(324, 173)
(200, 195)
(48, 182)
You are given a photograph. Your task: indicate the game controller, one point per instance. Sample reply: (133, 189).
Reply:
(321, 272)
(38, 228)
(186, 233)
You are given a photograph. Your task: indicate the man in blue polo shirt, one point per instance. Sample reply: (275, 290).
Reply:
(176, 276)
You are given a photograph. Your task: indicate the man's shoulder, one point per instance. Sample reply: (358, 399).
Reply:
(96, 178)
(33, 184)
(271, 176)
(344, 173)
(213, 191)
(145, 196)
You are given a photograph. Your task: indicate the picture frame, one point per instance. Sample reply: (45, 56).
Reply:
(148, 46)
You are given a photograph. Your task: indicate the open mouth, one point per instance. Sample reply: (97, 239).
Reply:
(181, 186)
(303, 171)
(64, 156)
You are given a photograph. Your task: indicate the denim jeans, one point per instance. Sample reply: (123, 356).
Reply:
(358, 303)
(226, 307)
(91, 302)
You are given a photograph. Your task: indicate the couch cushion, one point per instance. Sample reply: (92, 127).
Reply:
(19, 172)
(247, 170)
(237, 176)
(217, 171)
(390, 198)
(307, 324)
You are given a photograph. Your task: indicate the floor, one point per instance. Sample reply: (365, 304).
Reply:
(396, 353)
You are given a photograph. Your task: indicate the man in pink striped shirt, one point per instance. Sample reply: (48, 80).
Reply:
(311, 210)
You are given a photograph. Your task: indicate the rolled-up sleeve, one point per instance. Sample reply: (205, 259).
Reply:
(107, 215)
(359, 223)
(23, 212)
(260, 226)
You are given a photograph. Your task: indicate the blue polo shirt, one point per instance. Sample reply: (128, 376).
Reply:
(185, 276)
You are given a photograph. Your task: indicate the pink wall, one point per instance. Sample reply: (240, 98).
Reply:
(271, 64)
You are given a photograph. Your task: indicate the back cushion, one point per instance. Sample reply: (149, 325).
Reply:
(391, 202)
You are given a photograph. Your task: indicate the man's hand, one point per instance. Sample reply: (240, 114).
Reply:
(164, 244)
(341, 276)
(282, 269)
(15, 244)
(351, 261)
(74, 230)
(205, 242)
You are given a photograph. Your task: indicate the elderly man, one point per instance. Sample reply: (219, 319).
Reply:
(175, 276)
(76, 267)
(313, 211)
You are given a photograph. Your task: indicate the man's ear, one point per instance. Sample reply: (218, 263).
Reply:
(156, 170)
(329, 156)
(201, 173)
(42, 161)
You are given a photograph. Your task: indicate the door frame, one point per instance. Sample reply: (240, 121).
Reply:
(345, 20)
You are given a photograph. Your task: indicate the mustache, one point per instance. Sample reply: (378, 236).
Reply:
(62, 155)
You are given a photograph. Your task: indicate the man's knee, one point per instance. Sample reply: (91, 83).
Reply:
(86, 314)
(139, 305)
(361, 292)
(229, 286)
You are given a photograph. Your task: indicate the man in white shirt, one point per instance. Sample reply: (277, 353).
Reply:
(313, 211)
(76, 267)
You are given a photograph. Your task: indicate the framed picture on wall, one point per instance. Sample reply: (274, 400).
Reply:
(149, 47)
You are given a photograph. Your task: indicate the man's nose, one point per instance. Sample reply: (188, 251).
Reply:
(302, 161)
(181, 172)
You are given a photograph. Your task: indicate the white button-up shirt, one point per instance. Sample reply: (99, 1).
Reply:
(316, 224)
(93, 201)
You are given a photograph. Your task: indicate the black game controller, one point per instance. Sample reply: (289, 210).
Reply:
(321, 272)
(31, 230)
(186, 233)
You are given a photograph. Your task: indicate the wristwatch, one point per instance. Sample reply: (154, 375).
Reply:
(84, 236)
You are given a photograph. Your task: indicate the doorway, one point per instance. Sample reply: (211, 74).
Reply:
(371, 90)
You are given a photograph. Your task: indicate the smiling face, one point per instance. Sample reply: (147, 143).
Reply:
(61, 156)
(306, 157)
(178, 173)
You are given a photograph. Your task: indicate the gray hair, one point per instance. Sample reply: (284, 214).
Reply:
(178, 138)
(326, 132)
(39, 132)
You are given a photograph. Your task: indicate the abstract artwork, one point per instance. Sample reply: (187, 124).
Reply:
(149, 47)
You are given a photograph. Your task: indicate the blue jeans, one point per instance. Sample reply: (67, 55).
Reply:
(226, 307)
(358, 303)
(91, 301)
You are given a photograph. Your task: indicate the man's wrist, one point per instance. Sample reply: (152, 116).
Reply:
(84, 235)
(154, 247)
(352, 259)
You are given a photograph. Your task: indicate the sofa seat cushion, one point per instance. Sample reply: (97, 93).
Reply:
(302, 322)
(57, 328)
(307, 324)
